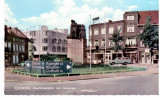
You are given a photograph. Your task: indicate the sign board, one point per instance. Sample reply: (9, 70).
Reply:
(58, 67)
(50, 66)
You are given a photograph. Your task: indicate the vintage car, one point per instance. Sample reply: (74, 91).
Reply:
(123, 60)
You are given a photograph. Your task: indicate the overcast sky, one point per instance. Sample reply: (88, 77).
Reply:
(58, 13)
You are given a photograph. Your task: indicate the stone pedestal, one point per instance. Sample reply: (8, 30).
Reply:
(77, 50)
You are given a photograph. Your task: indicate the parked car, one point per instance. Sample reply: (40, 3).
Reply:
(123, 60)
(22, 64)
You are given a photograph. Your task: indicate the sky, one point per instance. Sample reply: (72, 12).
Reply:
(29, 14)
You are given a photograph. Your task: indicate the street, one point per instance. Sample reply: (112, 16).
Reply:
(128, 85)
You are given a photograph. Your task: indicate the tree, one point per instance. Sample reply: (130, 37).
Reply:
(48, 57)
(117, 39)
(149, 36)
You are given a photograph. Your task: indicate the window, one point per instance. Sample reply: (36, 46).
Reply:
(44, 48)
(22, 48)
(103, 30)
(53, 49)
(45, 33)
(44, 40)
(5, 44)
(130, 17)
(59, 41)
(14, 39)
(95, 31)
(103, 42)
(130, 28)
(9, 45)
(17, 59)
(63, 49)
(14, 61)
(111, 30)
(111, 43)
(131, 41)
(58, 49)
(53, 41)
(119, 28)
(53, 33)
(16, 47)
(96, 43)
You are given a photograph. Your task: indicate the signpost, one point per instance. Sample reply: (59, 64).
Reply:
(49, 67)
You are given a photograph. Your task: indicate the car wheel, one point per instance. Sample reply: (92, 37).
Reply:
(112, 63)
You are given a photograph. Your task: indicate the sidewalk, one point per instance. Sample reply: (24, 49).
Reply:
(151, 69)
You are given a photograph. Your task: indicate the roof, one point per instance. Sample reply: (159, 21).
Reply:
(144, 14)
(14, 31)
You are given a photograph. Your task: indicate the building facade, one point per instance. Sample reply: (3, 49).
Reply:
(48, 41)
(131, 25)
(16, 46)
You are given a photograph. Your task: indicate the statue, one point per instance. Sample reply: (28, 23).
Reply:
(77, 31)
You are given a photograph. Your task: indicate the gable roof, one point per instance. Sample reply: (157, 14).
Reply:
(14, 31)
(153, 14)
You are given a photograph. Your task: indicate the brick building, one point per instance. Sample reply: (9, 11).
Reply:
(131, 25)
(16, 46)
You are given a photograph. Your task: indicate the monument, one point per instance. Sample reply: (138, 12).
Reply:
(77, 43)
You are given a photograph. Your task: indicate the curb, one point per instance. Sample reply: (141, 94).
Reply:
(77, 79)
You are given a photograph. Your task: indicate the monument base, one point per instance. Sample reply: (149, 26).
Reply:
(77, 50)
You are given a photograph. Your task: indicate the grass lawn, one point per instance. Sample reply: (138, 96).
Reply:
(82, 71)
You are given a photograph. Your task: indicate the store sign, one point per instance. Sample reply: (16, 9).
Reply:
(50, 66)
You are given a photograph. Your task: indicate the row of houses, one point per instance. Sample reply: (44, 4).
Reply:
(131, 25)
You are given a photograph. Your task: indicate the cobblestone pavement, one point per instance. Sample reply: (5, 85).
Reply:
(151, 69)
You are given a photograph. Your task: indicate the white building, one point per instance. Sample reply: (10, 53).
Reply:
(49, 41)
